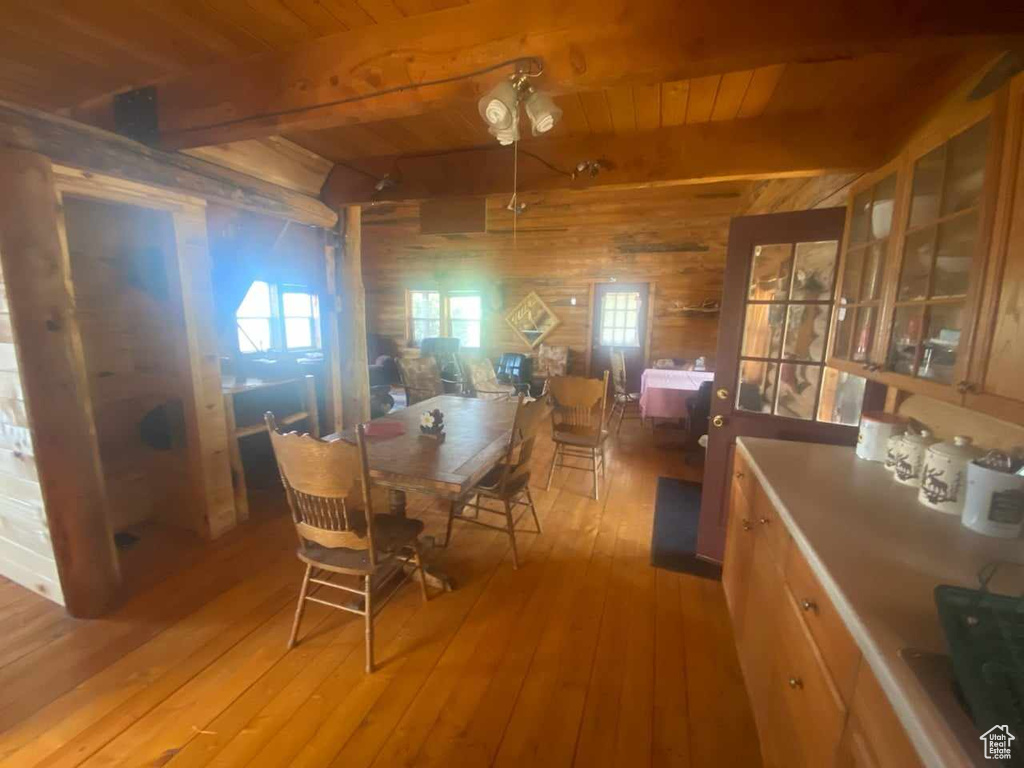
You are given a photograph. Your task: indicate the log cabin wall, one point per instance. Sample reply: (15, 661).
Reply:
(129, 307)
(26, 548)
(673, 238)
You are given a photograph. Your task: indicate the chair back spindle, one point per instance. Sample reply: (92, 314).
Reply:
(578, 402)
(328, 488)
(529, 414)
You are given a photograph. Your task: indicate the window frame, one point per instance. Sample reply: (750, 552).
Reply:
(278, 331)
(638, 342)
(445, 319)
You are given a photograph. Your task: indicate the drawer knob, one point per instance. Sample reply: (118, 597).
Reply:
(746, 525)
(809, 605)
(764, 521)
(740, 475)
(796, 683)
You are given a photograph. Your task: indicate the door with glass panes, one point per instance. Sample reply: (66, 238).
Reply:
(620, 323)
(770, 377)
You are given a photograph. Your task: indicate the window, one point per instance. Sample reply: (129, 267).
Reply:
(282, 318)
(782, 359)
(465, 313)
(424, 315)
(620, 313)
(433, 313)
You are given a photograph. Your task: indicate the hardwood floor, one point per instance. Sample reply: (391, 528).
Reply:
(585, 656)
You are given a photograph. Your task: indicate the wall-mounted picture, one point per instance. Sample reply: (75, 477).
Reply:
(532, 319)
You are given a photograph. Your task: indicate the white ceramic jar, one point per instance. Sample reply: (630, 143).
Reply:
(910, 456)
(875, 431)
(994, 504)
(892, 449)
(944, 475)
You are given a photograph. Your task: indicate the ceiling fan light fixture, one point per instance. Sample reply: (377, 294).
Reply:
(509, 134)
(544, 114)
(498, 106)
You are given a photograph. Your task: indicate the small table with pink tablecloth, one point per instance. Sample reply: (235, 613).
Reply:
(664, 392)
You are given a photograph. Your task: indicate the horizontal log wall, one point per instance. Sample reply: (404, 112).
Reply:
(673, 238)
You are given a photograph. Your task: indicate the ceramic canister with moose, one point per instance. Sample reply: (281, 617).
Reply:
(944, 475)
(910, 456)
(874, 433)
(994, 503)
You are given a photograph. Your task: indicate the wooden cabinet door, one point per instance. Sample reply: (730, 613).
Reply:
(998, 363)
(739, 555)
(854, 751)
(759, 654)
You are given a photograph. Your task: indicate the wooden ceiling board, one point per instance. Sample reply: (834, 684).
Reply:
(647, 102)
(314, 16)
(701, 100)
(595, 106)
(674, 99)
(731, 92)
(574, 119)
(379, 11)
(760, 91)
(621, 108)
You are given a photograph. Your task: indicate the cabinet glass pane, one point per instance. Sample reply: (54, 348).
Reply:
(798, 390)
(842, 395)
(882, 207)
(859, 219)
(939, 349)
(955, 250)
(771, 272)
(874, 264)
(863, 334)
(966, 173)
(853, 272)
(806, 332)
(756, 390)
(844, 332)
(814, 270)
(927, 189)
(917, 264)
(762, 331)
(906, 333)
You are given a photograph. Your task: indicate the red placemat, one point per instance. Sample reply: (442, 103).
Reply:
(385, 429)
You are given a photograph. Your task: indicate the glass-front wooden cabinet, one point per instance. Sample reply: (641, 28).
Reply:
(939, 252)
(913, 263)
(859, 302)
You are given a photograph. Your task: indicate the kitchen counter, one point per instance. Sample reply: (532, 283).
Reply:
(879, 555)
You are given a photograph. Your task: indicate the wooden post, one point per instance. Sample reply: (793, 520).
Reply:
(36, 268)
(355, 370)
(332, 344)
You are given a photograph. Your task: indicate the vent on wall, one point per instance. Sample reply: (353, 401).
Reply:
(453, 216)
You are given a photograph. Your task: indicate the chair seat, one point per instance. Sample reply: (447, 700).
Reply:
(488, 486)
(582, 436)
(390, 534)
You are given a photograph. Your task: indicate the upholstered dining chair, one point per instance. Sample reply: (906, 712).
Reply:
(577, 424)
(421, 378)
(328, 490)
(483, 381)
(507, 486)
(626, 403)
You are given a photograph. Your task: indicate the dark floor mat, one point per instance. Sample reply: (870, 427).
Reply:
(674, 539)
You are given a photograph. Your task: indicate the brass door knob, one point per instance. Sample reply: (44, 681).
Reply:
(718, 421)
(796, 683)
(722, 393)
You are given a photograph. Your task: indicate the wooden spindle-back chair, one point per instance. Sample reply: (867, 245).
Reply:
(578, 407)
(328, 490)
(508, 484)
(625, 402)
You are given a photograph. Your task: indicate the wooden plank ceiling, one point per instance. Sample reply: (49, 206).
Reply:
(809, 89)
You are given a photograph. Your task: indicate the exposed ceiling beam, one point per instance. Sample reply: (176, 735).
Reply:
(585, 45)
(83, 146)
(791, 145)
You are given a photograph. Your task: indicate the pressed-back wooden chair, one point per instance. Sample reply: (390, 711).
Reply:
(577, 423)
(508, 484)
(328, 489)
(421, 378)
(625, 402)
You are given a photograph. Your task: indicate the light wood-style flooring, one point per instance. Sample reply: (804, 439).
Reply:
(586, 656)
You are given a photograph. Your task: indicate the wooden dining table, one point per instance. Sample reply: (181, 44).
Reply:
(475, 440)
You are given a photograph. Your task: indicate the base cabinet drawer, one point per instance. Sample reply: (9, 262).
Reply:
(874, 737)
